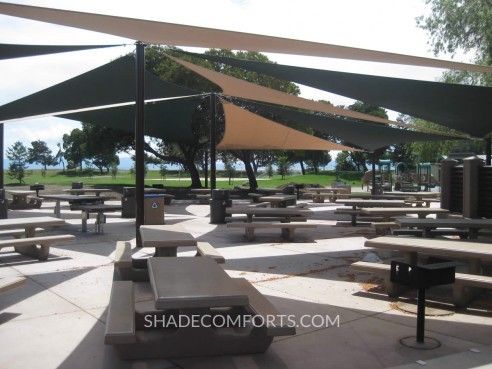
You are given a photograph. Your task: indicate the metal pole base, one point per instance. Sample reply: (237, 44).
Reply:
(428, 344)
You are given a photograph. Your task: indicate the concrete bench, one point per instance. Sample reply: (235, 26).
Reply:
(255, 196)
(384, 228)
(120, 323)
(206, 249)
(28, 246)
(35, 202)
(287, 229)
(263, 308)
(9, 283)
(462, 295)
(99, 210)
(260, 218)
(18, 233)
(433, 232)
(202, 199)
(127, 268)
(354, 214)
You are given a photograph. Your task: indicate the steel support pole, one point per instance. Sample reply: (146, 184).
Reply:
(421, 315)
(373, 189)
(213, 171)
(139, 139)
(488, 150)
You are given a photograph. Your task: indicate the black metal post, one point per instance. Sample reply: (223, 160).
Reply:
(139, 139)
(205, 172)
(488, 150)
(421, 315)
(373, 189)
(213, 171)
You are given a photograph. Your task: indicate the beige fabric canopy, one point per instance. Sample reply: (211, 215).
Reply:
(247, 90)
(182, 35)
(245, 130)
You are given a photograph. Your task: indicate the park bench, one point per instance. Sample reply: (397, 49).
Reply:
(461, 294)
(287, 229)
(28, 247)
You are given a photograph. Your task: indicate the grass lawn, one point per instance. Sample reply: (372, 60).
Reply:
(173, 179)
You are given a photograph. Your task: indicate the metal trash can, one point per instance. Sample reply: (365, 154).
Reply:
(153, 209)
(128, 203)
(4, 205)
(220, 201)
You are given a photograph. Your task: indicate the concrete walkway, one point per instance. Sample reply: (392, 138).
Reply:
(345, 320)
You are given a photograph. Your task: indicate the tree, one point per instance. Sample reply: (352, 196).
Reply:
(461, 25)
(283, 166)
(18, 155)
(75, 145)
(40, 153)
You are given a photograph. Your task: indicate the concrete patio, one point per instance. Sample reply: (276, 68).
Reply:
(57, 319)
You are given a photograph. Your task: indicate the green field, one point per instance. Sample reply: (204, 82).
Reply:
(173, 179)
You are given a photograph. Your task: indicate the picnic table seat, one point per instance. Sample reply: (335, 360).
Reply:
(18, 233)
(28, 246)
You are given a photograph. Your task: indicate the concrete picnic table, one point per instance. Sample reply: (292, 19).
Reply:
(427, 225)
(182, 283)
(391, 212)
(195, 292)
(420, 196)
(166, 238)
(319, 193)
(30, 224)
(473, 252)
(357, 204)
(19, 199)
(80, 199)
(83, 191)
(287, 214)
(278, 200)
(363, 203)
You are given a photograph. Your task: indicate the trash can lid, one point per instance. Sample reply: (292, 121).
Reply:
(154, 195)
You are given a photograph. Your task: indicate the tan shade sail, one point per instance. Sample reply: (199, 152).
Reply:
(246, 90)
(245, 130)
(182, 35)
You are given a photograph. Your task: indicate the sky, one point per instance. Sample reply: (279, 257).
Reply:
(384, 25)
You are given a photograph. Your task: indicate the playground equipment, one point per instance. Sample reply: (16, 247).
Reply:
(384, 178)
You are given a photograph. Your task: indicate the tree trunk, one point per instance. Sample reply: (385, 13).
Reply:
(253, 183)
(303, 170)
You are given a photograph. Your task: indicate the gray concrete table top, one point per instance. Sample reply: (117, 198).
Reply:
(181, 283)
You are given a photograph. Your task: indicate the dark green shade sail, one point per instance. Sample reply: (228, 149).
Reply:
(365, 135)
(112, 83)
(461, 107)
(11, 51)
